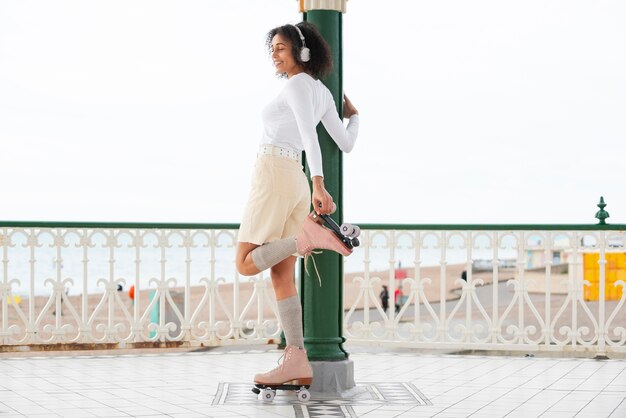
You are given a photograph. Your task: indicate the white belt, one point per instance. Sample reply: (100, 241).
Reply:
(280, 152)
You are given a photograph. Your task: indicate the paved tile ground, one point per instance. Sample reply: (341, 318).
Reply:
(401, 383)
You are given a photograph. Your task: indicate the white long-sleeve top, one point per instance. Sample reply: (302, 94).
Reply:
(289, 121)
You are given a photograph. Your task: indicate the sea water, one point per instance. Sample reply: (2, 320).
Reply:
(92, 268)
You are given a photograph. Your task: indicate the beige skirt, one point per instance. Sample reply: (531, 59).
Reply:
(279, 201)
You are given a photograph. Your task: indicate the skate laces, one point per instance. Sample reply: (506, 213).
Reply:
(281, 360)
(310, 255)
(277, 368)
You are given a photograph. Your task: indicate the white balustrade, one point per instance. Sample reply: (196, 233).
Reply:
(509, 305)
(61, 285)
(72, 286)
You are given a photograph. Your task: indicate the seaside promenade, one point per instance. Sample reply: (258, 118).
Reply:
(390, 383)
(506, 342)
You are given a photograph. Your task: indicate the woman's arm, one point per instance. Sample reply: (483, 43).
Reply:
(299, 99)
(320, 198)
(344, 137)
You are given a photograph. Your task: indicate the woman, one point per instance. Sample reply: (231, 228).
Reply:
(275, 227)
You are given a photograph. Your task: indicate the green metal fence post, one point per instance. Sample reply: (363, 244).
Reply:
(323, 310)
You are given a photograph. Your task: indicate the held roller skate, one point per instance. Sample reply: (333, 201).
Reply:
(346, 233)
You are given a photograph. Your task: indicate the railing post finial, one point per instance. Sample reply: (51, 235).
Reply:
(602, 214)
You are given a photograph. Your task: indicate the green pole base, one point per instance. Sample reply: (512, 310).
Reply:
(325, 349)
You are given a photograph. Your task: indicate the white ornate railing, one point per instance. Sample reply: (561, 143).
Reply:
(526, 288)
(518, 308)
(60, 285)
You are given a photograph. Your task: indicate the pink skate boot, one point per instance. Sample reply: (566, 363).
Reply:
(314, 236)
(294, 370)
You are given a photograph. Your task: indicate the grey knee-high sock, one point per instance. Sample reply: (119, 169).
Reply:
(290, 312)
(272, 253)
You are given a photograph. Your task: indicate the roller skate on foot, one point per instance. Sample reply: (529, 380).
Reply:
(327, 235)
(294, 373)
(315, 236)
(346, 233)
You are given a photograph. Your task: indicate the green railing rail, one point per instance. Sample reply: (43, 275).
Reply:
(601, 215)
(495, 227)
(364, 226)
(116, 225)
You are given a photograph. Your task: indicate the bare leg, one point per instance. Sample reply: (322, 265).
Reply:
(282, 274)
(282, 278)
(244, 262)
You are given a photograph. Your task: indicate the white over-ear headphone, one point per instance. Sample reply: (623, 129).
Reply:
(305, 53)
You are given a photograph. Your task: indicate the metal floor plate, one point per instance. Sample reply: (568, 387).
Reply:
(367, 394)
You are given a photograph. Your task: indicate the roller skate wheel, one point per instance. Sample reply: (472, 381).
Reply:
(346, 229)
(350, 231)
(303, 395)
(268, 395)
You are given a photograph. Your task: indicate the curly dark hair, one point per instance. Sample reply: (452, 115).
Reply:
(321, 62)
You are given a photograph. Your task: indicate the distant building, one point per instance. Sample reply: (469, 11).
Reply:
(536, 258)
(487, 265)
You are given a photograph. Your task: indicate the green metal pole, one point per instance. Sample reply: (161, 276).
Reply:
(323, 306)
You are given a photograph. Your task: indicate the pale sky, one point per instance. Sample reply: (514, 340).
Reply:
(472, 111)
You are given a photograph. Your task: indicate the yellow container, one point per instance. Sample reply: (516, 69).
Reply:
(615, 270)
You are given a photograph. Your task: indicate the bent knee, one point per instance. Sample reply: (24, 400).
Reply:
(246, 268)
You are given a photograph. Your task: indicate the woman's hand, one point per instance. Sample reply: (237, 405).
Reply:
(322, 200)
(348, 108)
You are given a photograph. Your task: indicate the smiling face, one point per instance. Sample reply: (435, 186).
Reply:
(282, 56)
